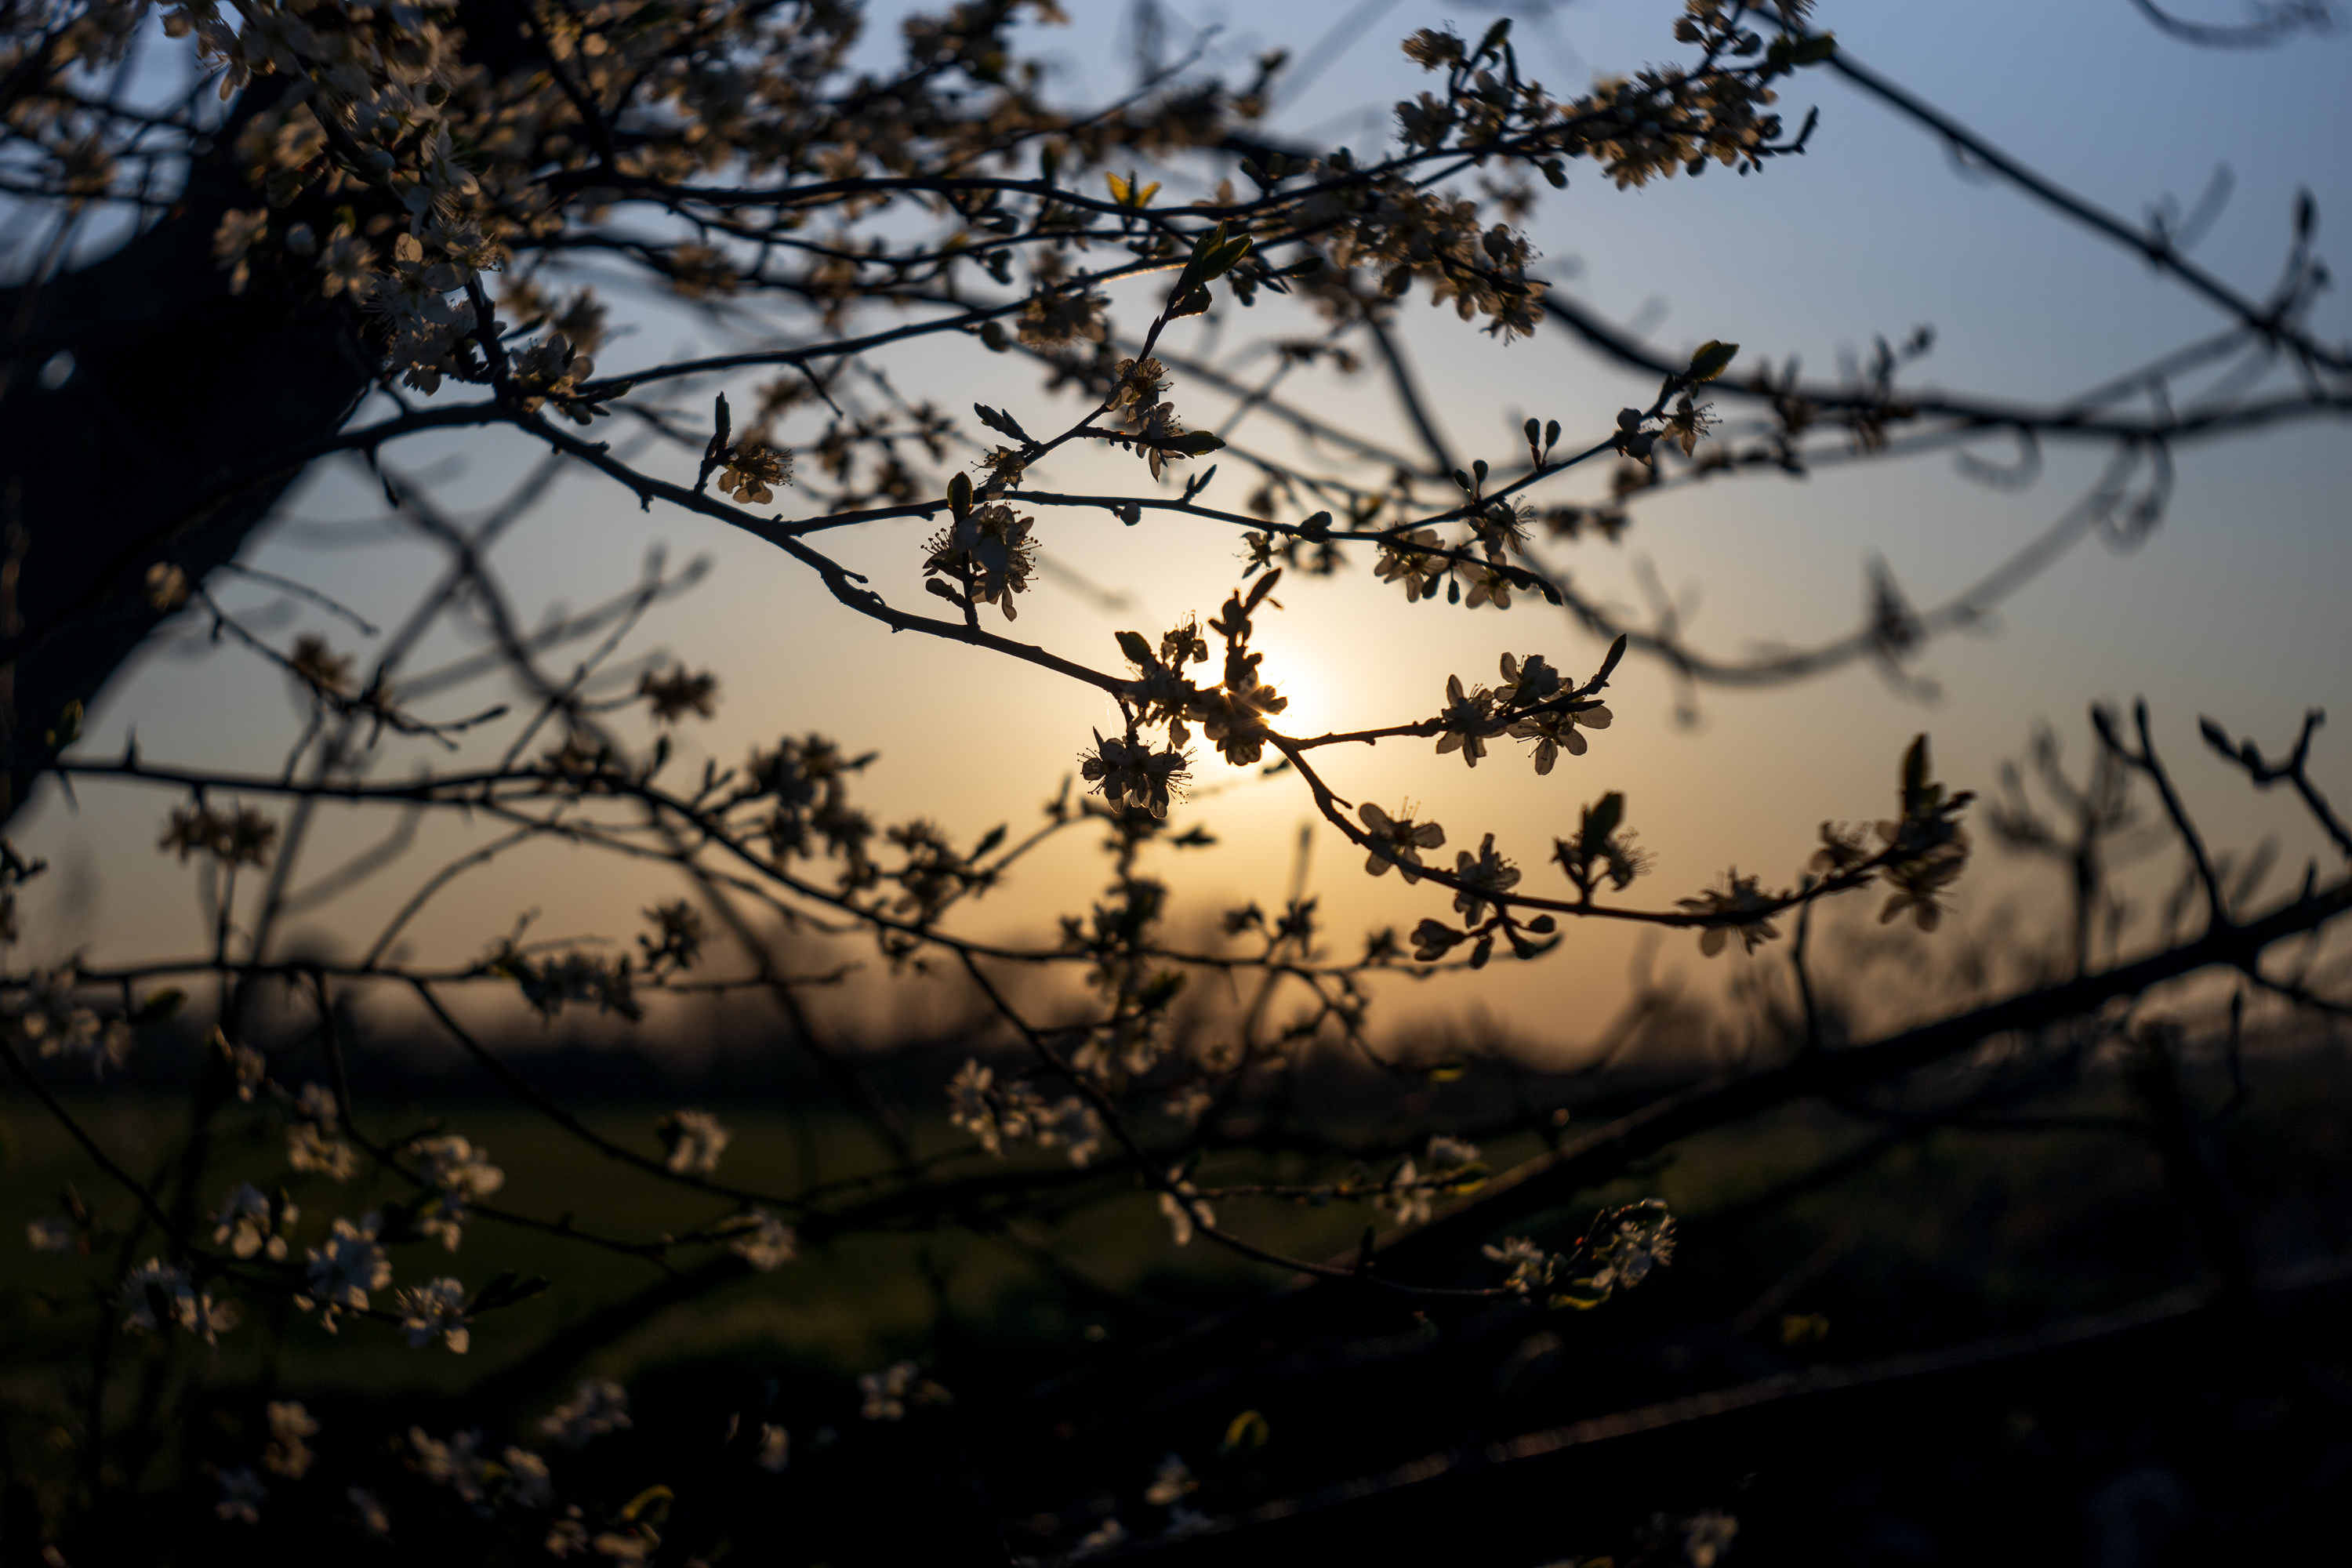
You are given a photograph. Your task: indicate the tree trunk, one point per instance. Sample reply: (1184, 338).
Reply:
(128, 389)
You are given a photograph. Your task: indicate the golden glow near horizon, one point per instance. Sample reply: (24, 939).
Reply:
(2232, 608)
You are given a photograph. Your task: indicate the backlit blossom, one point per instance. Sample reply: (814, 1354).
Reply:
(1737, 906)
(1485, 878)
(1130, 773)
(1397, 840)
(1462, 721)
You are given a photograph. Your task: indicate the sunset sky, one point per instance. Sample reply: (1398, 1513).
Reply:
(2235, 606)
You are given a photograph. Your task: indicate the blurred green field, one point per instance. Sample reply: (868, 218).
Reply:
(1950, 1232)
(844, 1305)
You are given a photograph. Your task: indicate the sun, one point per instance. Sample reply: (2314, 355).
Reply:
(1306, 683)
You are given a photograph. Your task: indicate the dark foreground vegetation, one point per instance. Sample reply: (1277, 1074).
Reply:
(2089, 1314)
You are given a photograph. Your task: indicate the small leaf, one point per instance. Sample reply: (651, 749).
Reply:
(1712, 360)
(1601, 822)
(69, 725)
(1608, 665)
(1914, 770)
(1133, 644)
(1225, 258)
(960, 493)
(1247, 1432)
(1203, 248)
(997, 419)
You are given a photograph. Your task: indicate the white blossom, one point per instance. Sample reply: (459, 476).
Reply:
(1074, 1126)
(372, 1517)
(1171, 1482)
(158, 1295)
(52, 1233)
(249, 1223)
(694, 1139)
(309, 1149)
(290, 1428)
(528, 1483)
(463, 1175)
(765, 1242)
(1183, 1208)
(1102, 1538)
(884, 1394)
(1448, 1153)
(345, 1270)
(242, 1495)
(436, 1307)
(459, 1464)
(56, 1029)
(597, 1409)
(1406, 1195)
(568, 1536)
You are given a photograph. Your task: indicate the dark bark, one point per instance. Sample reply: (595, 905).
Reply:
(175, 384)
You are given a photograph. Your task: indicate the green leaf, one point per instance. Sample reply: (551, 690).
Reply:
(505, 1290)
(1712, 360)
(1133, 644)
(1190, 303)
(1225, 258)
(67, 729)
(1197, 443)
(960, 493)
(1812, 51)
(1203, 248)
